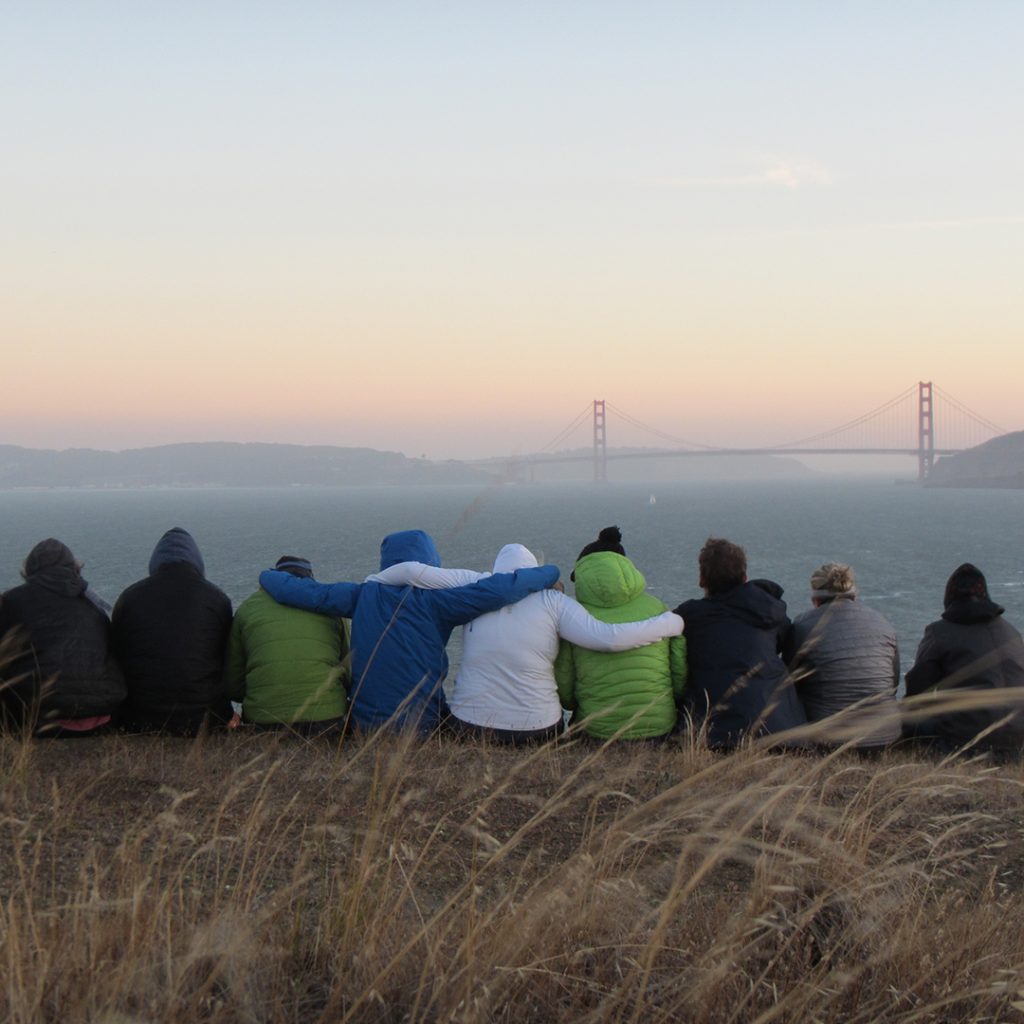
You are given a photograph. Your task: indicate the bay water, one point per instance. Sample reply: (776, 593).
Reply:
(902, 541)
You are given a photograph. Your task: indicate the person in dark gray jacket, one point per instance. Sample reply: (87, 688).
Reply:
(844, 661)
(972, 647)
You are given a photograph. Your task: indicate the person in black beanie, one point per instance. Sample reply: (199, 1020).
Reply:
(970, 648)
(609, 539)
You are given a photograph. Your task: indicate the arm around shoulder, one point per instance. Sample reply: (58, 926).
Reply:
(311, 595)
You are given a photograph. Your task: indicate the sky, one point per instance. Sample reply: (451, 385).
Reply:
(445, 228)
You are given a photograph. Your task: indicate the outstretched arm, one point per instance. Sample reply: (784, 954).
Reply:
(579, 627)
(462, 604)
(310, 595)
(426, 577)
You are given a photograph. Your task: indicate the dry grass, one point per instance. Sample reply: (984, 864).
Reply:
(261, 878)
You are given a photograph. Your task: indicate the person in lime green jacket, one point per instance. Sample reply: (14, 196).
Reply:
(628, 694)
(288, 667)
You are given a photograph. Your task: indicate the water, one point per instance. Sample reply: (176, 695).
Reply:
(901, 541)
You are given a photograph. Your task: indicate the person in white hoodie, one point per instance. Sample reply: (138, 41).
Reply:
(505, 688)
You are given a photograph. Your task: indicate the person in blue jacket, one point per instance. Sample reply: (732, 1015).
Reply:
(399, 633)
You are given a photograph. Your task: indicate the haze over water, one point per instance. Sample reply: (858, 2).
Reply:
(902, 541)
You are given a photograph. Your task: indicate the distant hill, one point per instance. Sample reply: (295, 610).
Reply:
(224, 464)
(996, 463)
(657, 467)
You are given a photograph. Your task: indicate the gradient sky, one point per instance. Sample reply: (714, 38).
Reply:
(445, 228)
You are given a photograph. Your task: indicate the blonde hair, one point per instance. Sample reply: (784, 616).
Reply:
(833, 579)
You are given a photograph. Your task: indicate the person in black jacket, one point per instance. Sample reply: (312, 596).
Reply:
(61, 678)
(169, 633)
(970, 648)
(736, 681)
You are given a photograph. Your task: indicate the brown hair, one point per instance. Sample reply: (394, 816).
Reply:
(723, 565)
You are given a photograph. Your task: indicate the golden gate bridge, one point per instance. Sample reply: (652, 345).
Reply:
(909, 424)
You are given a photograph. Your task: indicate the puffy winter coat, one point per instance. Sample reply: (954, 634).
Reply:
(971, 648)
(630, 694)
(285, 664)
(170, 632)
(506, 680)
(399, 633)
(64, 669)
(737, 681)
(843, 653)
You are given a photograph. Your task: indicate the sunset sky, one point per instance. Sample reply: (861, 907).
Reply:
(446, 228)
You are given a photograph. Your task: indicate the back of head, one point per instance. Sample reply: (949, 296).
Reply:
(514, 556)
(723, 565)
(176, 546)
(49, 554)
(408, 546)
(967, 583)
(833, 579)
(295, 565)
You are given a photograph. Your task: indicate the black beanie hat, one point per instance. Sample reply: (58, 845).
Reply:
(295, 565)
(609, 539)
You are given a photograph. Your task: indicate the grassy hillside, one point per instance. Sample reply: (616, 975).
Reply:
(251, 878)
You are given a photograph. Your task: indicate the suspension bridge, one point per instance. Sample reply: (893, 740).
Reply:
(908, 424)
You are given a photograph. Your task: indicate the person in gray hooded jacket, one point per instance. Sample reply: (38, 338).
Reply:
(843, 659)
(169, 633)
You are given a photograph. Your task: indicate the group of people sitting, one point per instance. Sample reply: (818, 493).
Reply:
(314, 657)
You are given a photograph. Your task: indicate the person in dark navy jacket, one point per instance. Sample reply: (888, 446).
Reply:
(399, 632)
(736, 680)
(169, 633)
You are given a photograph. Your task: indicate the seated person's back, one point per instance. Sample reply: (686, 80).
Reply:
(736, 680)
(841, 653)
(169, 632)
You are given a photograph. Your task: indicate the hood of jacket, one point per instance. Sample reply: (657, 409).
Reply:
(606, 580)
(51, 565)
(750, 602)
(965, 611)
(408, 546)
(514, 556)
(176, 546)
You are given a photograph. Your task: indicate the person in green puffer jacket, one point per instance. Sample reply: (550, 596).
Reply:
(628, 694)
(288, 667)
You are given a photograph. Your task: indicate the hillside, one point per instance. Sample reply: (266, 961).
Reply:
(223, 464)
(996, 463)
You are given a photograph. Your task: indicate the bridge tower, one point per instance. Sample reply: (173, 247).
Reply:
(925, 430)
(600, 443)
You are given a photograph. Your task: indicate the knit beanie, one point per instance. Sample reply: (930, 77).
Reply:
(609, 539)
(966, 584)
(833, 579)
(295, 565)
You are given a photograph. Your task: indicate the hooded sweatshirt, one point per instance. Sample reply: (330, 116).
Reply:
(169, 632)
(972, 647)
(629, 694)
(399, 633)
(737, 680)
(64, 669)
(506, 680)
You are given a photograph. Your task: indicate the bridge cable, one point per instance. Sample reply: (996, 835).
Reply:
(633, 421)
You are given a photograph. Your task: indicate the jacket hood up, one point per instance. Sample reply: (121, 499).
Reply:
(408, 546)
(514, 556)
(52, 565)
(175, 546)
(607, 580)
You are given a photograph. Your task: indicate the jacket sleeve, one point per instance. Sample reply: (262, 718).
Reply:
(927, 670)
(678, 668)
(565, 676)
(579, 627)
(298, 592)
(234, 664)
(463, 604)
(426, 577)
